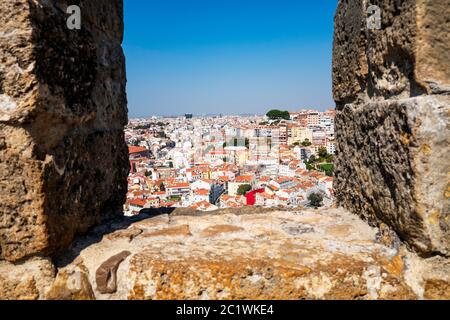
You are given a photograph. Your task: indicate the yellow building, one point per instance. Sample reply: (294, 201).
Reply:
(299, 134)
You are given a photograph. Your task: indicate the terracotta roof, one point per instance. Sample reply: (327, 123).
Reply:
(201, 205)
(233, 204)
(220, 152)
(137, 202)
(179, 185)
(316, 174)
(244, 179)
(134, 149)
(265, 195)
(283, 179)
(202, 192)
(307, 185)
(197, 169)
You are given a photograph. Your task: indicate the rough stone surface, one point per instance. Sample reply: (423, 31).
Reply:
(299, 254)
(26, 281)
(71, 283)
(409, 56)
(63, 159)
(304, 254)
(391, 88)
(403, 181)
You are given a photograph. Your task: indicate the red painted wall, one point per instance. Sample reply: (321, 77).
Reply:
(251, 196)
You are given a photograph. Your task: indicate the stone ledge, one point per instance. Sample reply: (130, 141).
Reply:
(304, 254)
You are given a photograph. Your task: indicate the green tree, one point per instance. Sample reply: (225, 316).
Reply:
(315, 200)
(243, 189)
(323, 152)
(143, 127)
(278, 114)
(306, 143)
(328, 168)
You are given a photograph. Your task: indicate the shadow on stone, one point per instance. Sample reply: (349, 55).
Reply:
(98, 233)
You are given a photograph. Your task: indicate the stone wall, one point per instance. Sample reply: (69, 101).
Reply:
(392, 90)
(63, 159)
(64, 163)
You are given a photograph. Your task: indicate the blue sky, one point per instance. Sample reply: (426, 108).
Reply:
(227, 56)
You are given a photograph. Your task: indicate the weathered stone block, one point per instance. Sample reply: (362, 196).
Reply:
(29, 280)
(392, 167)
(63, 159)
(71, 283)
(391, 90)
(409, 56)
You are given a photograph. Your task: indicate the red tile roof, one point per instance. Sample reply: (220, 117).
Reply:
(247, 179)
(134, 149)
(138, 202)
(201, 205)
(202, 192)
(179, 185)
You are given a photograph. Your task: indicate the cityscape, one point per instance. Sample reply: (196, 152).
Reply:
(281, 159)
(244, 152)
